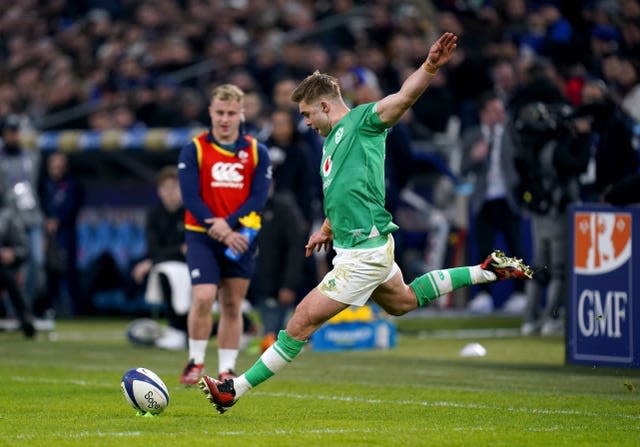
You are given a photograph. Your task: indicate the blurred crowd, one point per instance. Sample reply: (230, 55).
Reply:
(124, 63)
(129, 64)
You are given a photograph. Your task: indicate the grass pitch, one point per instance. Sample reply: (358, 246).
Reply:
(63, 390)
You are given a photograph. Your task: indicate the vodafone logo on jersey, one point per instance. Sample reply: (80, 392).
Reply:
(602, 242)
(326, 166)
(227, 175)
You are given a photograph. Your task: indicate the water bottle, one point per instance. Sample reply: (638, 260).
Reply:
(250, 234)
(251, 224)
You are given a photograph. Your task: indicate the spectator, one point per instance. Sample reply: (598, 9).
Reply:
(266, 66)
(467, 75)
(62, 96)
(255, 119)
(62, 198)
(432, 113)
(281, 99)
(104, 54)
(293, 167)
(123, 118)
(291, 161)
(193, 110)
(629, 82)
(279, 268)
(539, 83)
(165, 110)
(505, 80)
(489, 151)
(612, 156)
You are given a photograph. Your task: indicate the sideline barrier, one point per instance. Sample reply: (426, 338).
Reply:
(355, 328)
(110, 140)
(603, 312)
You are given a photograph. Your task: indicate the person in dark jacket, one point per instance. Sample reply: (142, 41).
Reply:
(61, 200)
(19, 169)
(279, 264)
(13, 253)
(165, 267)
(553, 157)
(291, 160)
(488, 159)
(613, 155)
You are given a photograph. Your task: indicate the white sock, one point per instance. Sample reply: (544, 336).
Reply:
(480, 275)
(241, 385)
(197, 350)
(227, 359)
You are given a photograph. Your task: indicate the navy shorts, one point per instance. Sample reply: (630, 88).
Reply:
(208, 263)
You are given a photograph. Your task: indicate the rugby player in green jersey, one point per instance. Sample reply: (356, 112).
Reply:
(357, 224)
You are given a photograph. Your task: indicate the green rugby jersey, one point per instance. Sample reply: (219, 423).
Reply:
(352, 173)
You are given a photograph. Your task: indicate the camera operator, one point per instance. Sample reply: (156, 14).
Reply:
(614, 160)
(554, 151)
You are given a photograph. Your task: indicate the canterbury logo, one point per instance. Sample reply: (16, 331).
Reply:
(227, 175)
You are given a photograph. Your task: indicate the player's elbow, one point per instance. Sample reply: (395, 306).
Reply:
(392, 114)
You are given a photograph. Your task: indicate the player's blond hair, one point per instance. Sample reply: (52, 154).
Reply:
(227, 92)
(315, 86)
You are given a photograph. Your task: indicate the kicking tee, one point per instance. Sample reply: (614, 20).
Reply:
(353, 181)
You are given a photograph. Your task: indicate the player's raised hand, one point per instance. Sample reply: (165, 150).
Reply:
(442, 50)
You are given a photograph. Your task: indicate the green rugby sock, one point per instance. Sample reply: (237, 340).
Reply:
(433, 284)
(283, 351)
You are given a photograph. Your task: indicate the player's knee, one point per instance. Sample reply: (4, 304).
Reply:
(399, 303)
(202, 303)
(397, 311)
(231, 311)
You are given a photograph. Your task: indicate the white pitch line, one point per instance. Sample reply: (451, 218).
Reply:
(435, 404)
(274, 432)
(458, 334)
(448, 404)
(61, 381)
(79, 435)
(110, 335)
(280, 432)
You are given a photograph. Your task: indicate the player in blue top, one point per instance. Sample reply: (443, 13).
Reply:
(357, 223)
(224, 177)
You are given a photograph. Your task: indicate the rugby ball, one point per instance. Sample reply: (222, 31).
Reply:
(145, 391)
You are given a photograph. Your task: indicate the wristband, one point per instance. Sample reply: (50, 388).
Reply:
(326, 228)
(430, 67)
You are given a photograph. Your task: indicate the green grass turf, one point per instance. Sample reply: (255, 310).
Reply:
(66, 392)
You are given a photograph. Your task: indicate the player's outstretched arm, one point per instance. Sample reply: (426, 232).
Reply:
(391, 108)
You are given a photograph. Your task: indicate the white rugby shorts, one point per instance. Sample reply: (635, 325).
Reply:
(357, 273)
